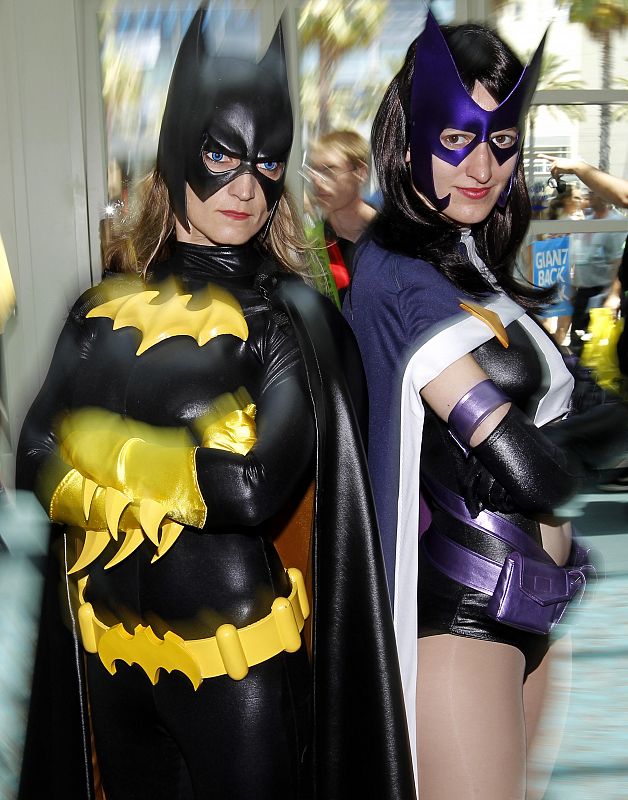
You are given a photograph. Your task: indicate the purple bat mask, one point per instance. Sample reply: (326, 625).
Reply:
(440, 100)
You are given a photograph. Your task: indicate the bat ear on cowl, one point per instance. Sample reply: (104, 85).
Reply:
(229, 103)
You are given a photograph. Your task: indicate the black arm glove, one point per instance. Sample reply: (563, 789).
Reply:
(540, 469)
(481, 490)
(247, 490)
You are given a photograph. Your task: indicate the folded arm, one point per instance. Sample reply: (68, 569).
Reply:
(538, 469)
(89, 464)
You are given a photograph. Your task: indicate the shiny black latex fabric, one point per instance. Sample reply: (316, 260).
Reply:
(519, 470)
(297, 372)
(234, 573)
(360, 745)
(519, 466)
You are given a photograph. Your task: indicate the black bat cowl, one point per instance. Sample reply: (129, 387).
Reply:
(224, 105)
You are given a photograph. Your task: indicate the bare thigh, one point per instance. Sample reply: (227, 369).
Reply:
(471, 736)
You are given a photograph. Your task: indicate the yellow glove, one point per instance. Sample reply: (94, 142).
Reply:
(140, 461)
(100, 513)
(133, 477)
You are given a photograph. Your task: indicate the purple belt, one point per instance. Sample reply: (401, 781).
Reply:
(486, 521)
(477, 571)
(459, 563)
(528, 590)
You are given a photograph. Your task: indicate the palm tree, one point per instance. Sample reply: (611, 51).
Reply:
(553, 76)
(336, 26)
(352, 105)
(602, 18)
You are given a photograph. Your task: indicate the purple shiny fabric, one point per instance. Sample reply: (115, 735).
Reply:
(486, 521)
(531, 595)
(528, 591)
(461, 564)
(440, 100)
(524, 593)
(473, 408)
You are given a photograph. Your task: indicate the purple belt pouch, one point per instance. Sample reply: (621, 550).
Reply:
(532, 595)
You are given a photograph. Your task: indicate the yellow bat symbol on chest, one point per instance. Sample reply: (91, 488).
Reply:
(217, 312)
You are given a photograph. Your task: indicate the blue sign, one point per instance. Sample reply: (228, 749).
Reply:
(550, 267)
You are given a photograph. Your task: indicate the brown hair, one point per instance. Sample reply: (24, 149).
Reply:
(147, 236)
(557, 205)
(353, 147)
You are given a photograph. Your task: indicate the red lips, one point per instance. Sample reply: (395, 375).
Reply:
(238, 215)
(474, 194)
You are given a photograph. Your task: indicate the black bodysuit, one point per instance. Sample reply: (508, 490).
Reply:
(227, 738)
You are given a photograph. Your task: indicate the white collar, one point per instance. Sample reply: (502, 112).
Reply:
(467, 240)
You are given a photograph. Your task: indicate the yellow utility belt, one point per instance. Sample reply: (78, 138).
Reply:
(230, 652)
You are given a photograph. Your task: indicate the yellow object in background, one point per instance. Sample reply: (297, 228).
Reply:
(600, 350)
(7, 292)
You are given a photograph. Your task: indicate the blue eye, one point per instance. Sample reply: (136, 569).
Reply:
(271, 169)
(219, 162)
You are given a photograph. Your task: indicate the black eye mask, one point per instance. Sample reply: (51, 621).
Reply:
(224, 105)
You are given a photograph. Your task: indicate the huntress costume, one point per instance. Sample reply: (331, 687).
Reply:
(411, 322)
(173, 442)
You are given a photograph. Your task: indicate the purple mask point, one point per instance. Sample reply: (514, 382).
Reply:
(446, 103)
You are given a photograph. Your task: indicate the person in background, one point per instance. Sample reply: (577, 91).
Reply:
(610, 188)
(337, 168)
(596, 258)
(566, 205)
(613, 190)
(467, 396)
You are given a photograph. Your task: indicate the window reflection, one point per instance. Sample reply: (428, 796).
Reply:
(572, 132)
(591, 37)
(585, 50)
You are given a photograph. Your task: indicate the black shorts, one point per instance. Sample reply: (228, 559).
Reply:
(446, 606)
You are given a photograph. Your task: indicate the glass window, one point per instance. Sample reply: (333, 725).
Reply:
(582, 265)
(576, 131)
(591, 38)
(349, 53)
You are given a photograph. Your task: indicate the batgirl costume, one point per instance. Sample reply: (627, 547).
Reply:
(180, 424)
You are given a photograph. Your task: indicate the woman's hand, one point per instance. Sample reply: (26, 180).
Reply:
(483, 491)
(141, 462)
